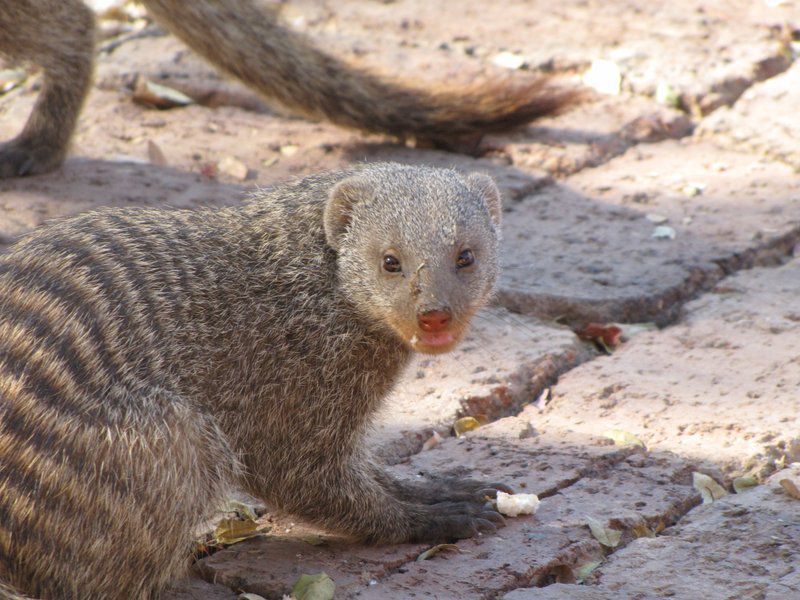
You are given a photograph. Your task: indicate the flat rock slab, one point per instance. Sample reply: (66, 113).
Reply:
(741, 546)
(720, 387)
(576, 475)
(590, 134)
(505, 362)
(584, 249)
(707, 52)
(271, 566)
(194, 588)
(764, 120)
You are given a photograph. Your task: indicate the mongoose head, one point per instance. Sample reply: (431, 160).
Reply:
(417, 249)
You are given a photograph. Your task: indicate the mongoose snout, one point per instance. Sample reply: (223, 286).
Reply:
(435, 320)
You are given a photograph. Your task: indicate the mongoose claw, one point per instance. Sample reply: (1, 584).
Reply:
(494, 517)
(466, 490)
(491, 490)
(484, 526)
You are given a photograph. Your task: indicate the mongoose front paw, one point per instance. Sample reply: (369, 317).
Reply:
(456, 520)
(20, 157)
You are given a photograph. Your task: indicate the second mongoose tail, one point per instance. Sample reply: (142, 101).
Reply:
(248, 41)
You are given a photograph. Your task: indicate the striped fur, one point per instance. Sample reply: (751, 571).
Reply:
(150, 359)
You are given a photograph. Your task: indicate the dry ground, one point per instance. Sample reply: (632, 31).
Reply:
(715, 389)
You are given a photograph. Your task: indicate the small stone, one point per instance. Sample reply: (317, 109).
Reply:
(233, 167)
(693, 189)
(508, 60)
(656, 218)
(664, 232)
(604, 76)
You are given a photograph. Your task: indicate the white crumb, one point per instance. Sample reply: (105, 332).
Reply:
(513, 505)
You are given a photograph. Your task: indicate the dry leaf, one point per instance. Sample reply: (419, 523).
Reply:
(623, 438)
(249, 596)
(159, 96)
(465, 424)
(791, 488)
(209, 170)
(608, 337)
(232, 531)
(431, 552)
(155, 154)
(641, 530)
(314, 587)
(289, 150)
(432, 441)
(709, 489)
(740, 484)
(604, 535)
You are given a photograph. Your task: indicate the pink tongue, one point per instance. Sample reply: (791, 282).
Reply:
(437, 339)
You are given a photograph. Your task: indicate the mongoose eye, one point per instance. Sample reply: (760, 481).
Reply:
(391, 264)
(465, 259)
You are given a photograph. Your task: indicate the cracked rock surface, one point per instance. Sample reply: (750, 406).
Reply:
(675, 201)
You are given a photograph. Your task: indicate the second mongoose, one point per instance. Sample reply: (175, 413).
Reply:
(150, 359)
(246, 40)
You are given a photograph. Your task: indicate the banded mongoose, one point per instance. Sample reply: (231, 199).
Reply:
(150, 359)
(246, 40)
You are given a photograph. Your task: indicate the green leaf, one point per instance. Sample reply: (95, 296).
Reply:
(584, 571)
(641, 530)
(314, 587)
(740, 484)
(623, 438)
(604, 535)
(709, 489)
(232, 531)
(465, 424)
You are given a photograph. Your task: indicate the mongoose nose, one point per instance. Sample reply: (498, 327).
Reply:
(434, 320)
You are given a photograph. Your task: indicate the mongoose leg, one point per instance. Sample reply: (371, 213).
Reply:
(59, 37)
(351, 498)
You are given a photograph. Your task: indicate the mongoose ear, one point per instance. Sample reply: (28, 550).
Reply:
(486, 188)
(339, 207)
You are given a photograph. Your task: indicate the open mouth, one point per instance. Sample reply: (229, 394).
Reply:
(434, 342)
(439, 338)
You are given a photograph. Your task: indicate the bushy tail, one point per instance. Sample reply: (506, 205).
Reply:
(249, 42)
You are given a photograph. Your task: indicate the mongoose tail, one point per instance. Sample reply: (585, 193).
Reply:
(249, 42)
